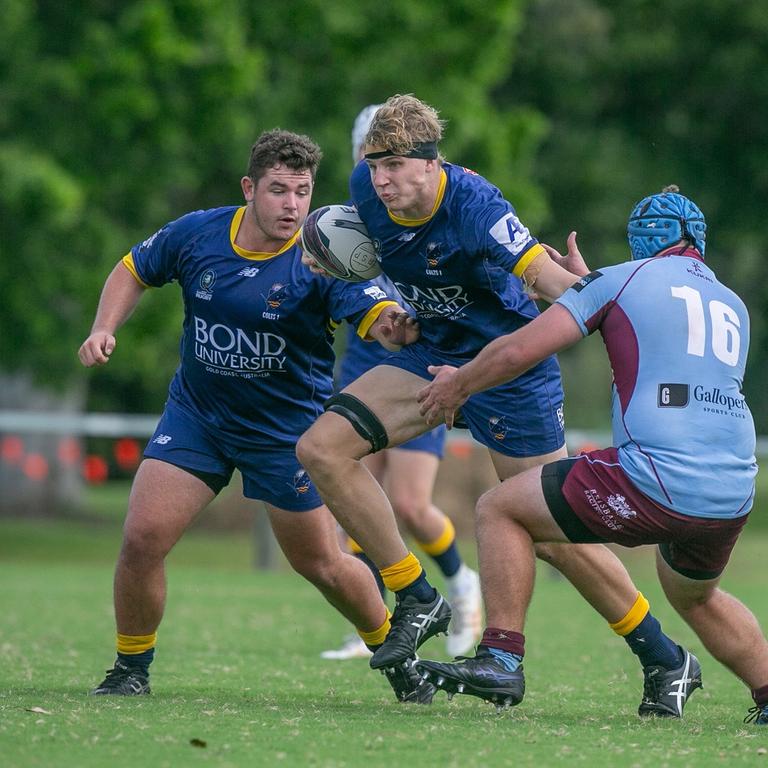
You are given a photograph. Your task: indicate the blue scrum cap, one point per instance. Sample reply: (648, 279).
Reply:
(659, 221)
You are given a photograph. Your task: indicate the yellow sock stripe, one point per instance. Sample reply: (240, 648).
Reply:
(354, 547)
(442, 542)
(633, 618)
(135, 643)
(400, 575)
(378, 635)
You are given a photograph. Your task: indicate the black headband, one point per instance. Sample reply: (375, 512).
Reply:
(423, 150)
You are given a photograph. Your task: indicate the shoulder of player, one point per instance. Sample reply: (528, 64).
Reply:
(464, 185)
(191, 223)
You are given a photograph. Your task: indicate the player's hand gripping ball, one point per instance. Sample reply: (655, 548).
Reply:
(336, 238)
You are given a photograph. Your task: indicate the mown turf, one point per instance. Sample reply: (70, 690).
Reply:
(238, 680)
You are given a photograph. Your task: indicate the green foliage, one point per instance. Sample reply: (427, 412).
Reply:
(641, 94)
(117, 117)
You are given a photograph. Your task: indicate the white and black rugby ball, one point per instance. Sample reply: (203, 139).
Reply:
(338, 240)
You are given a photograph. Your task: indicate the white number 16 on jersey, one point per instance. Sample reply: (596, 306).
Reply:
(725, 326)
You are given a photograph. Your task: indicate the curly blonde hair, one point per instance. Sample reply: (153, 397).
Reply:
(402, 122)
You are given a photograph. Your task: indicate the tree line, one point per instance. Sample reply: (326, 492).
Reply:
(117, 117)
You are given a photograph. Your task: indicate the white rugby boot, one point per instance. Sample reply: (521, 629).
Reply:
(467, 605)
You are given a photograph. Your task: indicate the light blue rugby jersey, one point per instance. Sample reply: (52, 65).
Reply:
(256, 350)
(677, 340)
(459, 267)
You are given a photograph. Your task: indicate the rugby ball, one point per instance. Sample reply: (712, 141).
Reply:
(337, 239)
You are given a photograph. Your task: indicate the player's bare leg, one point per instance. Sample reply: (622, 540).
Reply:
(410, 483)
(593, 569)
(311, 546)
(164, 501)
(331, 451)
(728, 629)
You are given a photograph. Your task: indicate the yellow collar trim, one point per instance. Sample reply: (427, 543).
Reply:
(438, 201)
(234, 227)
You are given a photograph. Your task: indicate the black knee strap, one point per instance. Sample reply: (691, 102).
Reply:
(361, 417)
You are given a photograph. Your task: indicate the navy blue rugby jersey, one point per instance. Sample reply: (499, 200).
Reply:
(256, 349)
(459, 268)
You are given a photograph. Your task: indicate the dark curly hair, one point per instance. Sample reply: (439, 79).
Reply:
(295, 150)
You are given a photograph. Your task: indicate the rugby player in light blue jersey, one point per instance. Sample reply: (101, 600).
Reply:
(462, 259)
(408, 472)
(681, 473)
(256, 367)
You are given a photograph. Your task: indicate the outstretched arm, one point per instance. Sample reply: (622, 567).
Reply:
(553, 276)
(505, 358)
(119, 297)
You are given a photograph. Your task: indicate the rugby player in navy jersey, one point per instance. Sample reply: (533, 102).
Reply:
(408, 473)
(681, 474)
(256, 366)
(462, 259)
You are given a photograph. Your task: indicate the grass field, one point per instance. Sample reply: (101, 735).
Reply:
(238, 680)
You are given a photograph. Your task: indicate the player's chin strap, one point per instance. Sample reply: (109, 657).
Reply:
(361, 417)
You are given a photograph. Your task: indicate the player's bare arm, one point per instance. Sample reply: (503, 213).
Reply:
(394, 328)
(503, 359)
(119, 297)
(573, 261)
(550, 275)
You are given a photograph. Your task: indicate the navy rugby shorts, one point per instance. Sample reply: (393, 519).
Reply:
(521, 418)
(271, 475)
(593, 500)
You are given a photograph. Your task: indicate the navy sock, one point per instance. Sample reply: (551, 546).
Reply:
(138, 660)
(421, 589)
(374, 570)
(652, 646)
(449, 561)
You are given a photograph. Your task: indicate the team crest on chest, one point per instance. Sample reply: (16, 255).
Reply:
(207, 280)
(277, 294)
(433, 254)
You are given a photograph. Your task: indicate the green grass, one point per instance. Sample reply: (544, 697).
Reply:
(238, 670)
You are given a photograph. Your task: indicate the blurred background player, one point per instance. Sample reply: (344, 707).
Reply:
(408, 473)
(256, 366)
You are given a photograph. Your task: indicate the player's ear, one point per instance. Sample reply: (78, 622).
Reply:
(249, 188)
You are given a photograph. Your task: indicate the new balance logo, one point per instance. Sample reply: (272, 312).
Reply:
(249, 271)
(162, 439)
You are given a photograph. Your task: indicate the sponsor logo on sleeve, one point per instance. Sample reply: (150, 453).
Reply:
(375, 293)
(586, 280)
(511, 233)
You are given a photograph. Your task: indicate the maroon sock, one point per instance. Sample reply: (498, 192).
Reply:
(760, 696)
(505, 640)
